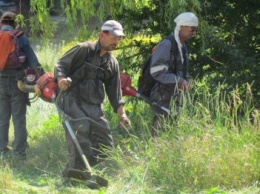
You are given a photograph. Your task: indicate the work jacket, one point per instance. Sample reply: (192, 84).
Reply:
(164, 68)
(92, 75)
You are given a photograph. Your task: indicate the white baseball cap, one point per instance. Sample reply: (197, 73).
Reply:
(114, 28)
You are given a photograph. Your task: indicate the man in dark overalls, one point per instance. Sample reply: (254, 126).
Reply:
(94, 72)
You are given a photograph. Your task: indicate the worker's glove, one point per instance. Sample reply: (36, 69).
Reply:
(37, 90)
(183, 85)
(124, 122)
(64, 83)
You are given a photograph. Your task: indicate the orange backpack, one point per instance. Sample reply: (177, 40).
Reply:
(10, 55)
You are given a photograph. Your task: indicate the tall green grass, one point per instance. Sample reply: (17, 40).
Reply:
(213, 146)
(209, 148)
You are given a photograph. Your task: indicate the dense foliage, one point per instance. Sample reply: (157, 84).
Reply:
(225, 51)
(231, 47)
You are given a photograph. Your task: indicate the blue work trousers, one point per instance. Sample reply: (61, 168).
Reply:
(13, 104)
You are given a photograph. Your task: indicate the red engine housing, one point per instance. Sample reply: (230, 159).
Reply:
(47, 86)
(127, 89)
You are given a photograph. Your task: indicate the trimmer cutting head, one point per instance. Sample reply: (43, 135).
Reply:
(86, 178)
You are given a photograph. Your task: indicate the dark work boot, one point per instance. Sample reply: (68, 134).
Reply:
(5, 153)
(94, 160)
(19, 156)
(79, 166)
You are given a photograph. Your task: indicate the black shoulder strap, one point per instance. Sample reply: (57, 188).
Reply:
(174, 46)
(88, 61)
(91, 53)
(18, 33)
(92, 49)
(174, 49)
(175, 52)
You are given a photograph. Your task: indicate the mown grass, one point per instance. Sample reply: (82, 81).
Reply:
(210, 148)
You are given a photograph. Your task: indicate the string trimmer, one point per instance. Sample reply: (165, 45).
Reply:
(128, 90)
(46, 88)
(85, 177)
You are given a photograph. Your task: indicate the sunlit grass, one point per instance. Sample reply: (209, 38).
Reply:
(212, 147)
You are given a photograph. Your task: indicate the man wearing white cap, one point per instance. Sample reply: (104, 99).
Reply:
(170, 70)
(94, 72)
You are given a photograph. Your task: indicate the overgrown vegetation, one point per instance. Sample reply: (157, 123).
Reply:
(210, 148)
(213, 146)
(226, 48)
